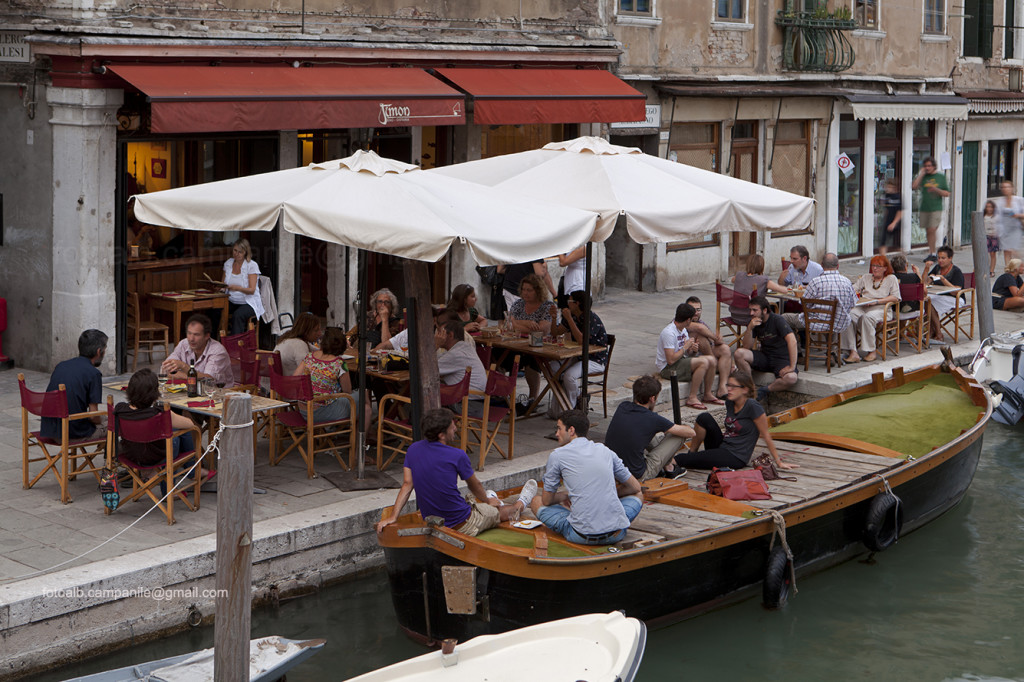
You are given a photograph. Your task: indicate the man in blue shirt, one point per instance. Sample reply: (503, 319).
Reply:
(603, 497)
(84, 385)
(432, 469)
(801, 268)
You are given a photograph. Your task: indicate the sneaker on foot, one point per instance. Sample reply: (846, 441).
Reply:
(529, 492)
(679, 473)
(491, 493)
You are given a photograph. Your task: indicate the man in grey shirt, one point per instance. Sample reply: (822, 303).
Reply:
(459, 354)
(604, 497)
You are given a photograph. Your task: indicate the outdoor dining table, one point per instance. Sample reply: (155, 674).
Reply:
(186, 301)
(791, 301)
(546, 354)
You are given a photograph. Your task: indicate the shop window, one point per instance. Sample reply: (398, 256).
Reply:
(637, 8)
(730, 10)
(791, 165)
(865, 13)
(935, 17)
(695, 144)
(978, 28)
(512, 139)
(923, 149)
(851, 142)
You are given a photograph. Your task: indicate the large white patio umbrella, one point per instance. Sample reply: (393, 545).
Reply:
(376, 204)
(662, 200)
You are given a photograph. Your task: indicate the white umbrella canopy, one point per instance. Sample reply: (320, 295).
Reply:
(662, 200)
(377, 204)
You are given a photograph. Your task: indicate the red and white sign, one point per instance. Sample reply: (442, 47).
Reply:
(845, 164)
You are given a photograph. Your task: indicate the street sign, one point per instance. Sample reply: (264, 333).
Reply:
(845, 164)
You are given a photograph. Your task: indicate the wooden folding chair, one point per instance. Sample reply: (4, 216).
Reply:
(887, 330)
(394, 434)
(915, 325)
(952, 322)
(143, 332)
(598, 381)
(307, 436)
(499, 398)
(821, 340)
(729, 297)
(75, 456)
(146, 479)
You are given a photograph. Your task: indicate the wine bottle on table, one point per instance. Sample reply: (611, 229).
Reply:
(192, 381)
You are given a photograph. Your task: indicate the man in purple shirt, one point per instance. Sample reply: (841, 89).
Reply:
(210, 357)
(432, 469)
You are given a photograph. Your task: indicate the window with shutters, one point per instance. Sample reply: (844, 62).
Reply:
(978, 28)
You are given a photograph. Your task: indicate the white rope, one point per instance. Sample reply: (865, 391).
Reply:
(780, 530)
(210, 448)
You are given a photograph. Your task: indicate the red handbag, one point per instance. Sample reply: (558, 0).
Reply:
(746, 484)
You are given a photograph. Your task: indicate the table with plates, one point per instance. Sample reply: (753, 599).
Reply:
(546, 354)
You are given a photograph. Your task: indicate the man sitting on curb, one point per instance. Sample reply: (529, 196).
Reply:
(778, 348)
(432, 469)
(603, 496)
(710, 342)
(678, 351)
(643, 439)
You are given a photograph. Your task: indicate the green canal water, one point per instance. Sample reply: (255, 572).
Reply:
(944, 604)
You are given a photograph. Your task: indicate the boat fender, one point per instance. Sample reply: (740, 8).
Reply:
(777, 578)
(884, 521)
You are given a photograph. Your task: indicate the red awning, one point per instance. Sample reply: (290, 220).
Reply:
(200, 99)
(510, 96)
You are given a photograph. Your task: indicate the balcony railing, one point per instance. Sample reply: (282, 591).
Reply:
(815, 43)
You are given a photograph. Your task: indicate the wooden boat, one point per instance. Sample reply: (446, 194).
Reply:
(688, 551)
(598, 647)
(269, 659)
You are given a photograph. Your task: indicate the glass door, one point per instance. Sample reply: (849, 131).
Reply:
(850, 136)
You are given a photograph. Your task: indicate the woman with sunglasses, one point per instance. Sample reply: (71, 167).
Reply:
(745, 422)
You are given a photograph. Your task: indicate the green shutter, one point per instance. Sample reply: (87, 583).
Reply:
(985, 30)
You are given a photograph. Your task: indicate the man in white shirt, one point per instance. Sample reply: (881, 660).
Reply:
(460, 354)
(677, 351)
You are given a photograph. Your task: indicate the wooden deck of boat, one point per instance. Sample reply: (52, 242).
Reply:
(821, 471)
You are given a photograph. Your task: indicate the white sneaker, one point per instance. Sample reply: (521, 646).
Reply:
(529, 492)
(491, 493)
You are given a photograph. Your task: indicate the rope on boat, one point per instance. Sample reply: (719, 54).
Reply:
(780, 531)
(209, 448)
(888, 490)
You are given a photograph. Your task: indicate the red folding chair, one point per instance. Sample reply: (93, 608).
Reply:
(307, 436)
(733, 333)
(234, 345)
(146, 479)
(394, 434)
(484, 353)
(75, 455)
(501, 391)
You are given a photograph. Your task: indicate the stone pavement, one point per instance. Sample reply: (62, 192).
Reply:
(38, 532)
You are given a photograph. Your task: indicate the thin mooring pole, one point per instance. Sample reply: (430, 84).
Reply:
(234, 543)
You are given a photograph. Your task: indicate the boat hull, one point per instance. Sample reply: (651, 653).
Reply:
(674, 580)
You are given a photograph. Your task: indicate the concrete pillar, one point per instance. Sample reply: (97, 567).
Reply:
(285, 287)
(867, 192)
(467, 143)
(84, 126)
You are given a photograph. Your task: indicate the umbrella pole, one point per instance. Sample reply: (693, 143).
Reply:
(361, 421)
(585, 360)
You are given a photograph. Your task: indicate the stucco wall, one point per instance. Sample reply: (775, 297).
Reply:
(26, 271)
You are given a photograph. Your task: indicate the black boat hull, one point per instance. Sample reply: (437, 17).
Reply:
(821, 532)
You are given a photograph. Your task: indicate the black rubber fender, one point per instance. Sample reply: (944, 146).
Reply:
(778, 579)
(883, 522)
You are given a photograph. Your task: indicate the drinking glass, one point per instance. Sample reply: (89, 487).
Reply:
(209, 388)
(161, 379)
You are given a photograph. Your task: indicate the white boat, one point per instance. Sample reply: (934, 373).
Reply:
(269, 659)
(997, 366)
(596, 647)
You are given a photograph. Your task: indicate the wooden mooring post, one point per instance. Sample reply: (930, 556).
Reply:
(234, 542)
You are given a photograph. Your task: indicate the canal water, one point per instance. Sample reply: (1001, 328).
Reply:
(943, 604)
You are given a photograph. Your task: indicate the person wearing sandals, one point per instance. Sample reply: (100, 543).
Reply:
(329, 374)
(143, 391)
(874, 289)
(745, 422)
(643, 439)
(433, 468)
(678, 352)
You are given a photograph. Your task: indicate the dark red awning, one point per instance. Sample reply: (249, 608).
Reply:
(512, 96)
(196, 99)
